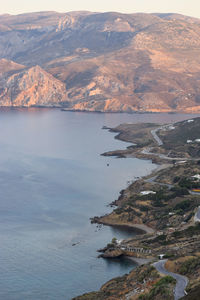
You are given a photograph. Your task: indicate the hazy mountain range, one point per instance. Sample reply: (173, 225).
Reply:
(100, 61)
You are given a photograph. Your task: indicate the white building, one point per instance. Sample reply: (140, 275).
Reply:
(197, 176)
(147, 192)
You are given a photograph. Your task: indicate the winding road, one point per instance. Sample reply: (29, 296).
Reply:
(181, 281)
(156, 137)
(158, 140)
(197, 215)
(153, 180)
(147, 151)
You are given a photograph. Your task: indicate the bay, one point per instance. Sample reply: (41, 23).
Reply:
(52, 180)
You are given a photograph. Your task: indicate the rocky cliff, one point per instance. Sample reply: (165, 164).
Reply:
(30, 87)
(101, 61)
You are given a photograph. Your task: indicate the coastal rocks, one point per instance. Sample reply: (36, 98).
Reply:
(95, 220)
(112, 250)
(112, 253)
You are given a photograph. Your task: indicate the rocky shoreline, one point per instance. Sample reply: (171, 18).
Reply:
(162, 206)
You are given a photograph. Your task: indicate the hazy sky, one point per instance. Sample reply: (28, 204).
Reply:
(187, 7)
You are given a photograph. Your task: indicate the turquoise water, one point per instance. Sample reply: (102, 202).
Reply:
(52, 180)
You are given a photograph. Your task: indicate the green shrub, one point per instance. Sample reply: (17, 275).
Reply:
(179, 191)
(190, 265)
(161, 288)
(190, 231)
(176, 179)
(188, 183)
(183, 205)
(118, 210)
(144, 208)
(146, 273)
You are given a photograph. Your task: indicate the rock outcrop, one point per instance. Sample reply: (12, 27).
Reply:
(31, 87)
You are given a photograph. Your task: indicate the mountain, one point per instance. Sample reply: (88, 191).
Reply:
(8, 66)
(102, 61)
(30, 87)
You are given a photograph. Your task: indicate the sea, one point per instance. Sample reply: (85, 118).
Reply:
(53, 179)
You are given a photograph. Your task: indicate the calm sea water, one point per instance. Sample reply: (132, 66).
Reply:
(52, 180)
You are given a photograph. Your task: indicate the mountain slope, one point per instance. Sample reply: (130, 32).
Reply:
(9, 66)
(109, 61)
(31, 87)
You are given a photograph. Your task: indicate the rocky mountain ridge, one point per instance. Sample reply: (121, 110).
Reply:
(29, 87)
(101, 61)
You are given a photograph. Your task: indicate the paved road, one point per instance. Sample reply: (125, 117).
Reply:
(156, 137)
(194, 193)
(147, 151)
(181, 281)
(160, 143)
(153, 180)
(197, 215)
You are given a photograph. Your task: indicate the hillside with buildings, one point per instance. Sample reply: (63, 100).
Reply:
(165, 207)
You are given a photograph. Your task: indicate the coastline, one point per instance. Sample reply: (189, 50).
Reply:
(160, 165)
(137, 228)
(139, 261)
(119, 217)
(161, 199)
